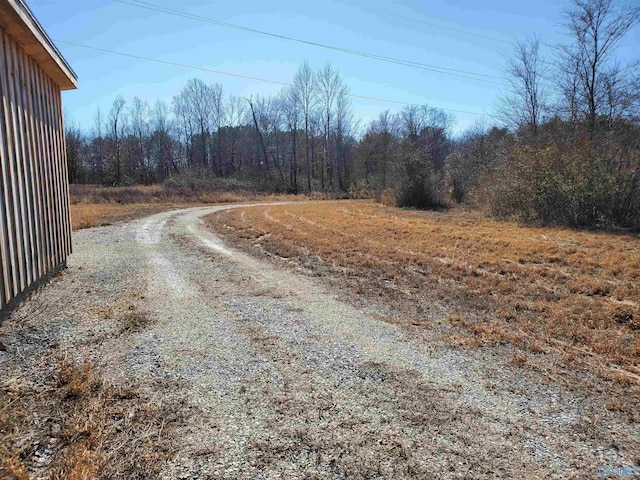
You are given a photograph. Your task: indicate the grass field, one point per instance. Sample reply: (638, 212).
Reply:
(547, 290)
(94, 206)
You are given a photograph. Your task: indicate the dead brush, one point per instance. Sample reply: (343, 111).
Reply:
(77, 463)
(11, 468)
(462, 341)
(134, 321)
(91, 429)
(76, 382)
(519, 359)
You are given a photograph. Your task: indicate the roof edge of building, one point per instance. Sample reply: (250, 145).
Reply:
(20, 23)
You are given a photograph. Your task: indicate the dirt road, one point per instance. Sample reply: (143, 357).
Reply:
(281, 377)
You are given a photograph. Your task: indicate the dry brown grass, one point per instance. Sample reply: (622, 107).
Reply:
(134, 321)
(65, 423)
(94, 206)
(545, 289)
(87, 215)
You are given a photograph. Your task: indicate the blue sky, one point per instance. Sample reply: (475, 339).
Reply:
(464, 35)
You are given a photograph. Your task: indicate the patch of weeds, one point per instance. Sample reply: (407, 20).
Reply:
(67, 424)
(134, 321)
(519, 359)
(462, 341)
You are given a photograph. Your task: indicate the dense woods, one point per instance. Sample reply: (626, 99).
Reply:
(565, 148)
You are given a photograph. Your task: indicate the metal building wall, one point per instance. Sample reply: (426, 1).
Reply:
(35, 227)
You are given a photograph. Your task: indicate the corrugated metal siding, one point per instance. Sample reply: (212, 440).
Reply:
(35, 227)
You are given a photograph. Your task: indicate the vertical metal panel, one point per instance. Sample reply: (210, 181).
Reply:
(8, 274)
(51, 159)
(15, 232)
(45, 192)
(31, 166)
(46, 162)
(66, 197)
(24, 166)
(34, 176)
(35, 227)
(61, 167)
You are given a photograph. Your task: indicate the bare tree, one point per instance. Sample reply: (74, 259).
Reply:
(139, 119)
(304, 83)
(596, 28)
(415, 119)
(315, 134)
(162, 143)
(291, 113)
(117, 129)
(187, 129)
(97, 147)
(218, 120)
(525, 104)
(377, 148)
(194, 106)
(235, 116)
(621, 92)
(412, 120)
(386, 126)
(344, 125)
(266, 119)
(329, 84)
(74, 141)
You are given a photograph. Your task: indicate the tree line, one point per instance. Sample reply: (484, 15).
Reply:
(566, 148)
(301, 139)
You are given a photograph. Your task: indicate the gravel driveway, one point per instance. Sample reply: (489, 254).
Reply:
(283, 378)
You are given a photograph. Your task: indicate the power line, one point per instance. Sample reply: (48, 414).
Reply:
(220, 72)
(421, 66)
(415, 20)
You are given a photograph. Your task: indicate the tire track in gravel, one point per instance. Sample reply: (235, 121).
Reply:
(291, 382)
(318, 407)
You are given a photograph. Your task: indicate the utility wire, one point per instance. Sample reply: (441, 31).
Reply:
(416, 20)
(421, 66)
(274, 82)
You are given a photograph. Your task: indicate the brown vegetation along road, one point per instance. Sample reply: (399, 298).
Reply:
(577, 293)
(96, 206)
(163, 352)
